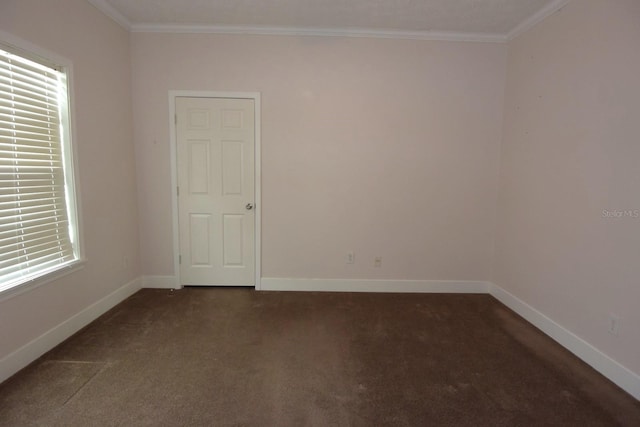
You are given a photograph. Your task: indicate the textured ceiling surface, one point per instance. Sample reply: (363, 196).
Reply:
(465, 16)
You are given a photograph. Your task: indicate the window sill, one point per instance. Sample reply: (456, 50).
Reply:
(36, 282)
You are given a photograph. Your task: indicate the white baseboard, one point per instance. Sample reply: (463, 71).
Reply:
(619, 374)
(614, 371)
(160, 282)
(360, 285)
(26, 354)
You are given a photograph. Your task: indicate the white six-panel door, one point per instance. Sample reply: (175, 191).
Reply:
(215, 152)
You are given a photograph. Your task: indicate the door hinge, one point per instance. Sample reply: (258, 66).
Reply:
(179, 259)
(178, 191)
(175, 118)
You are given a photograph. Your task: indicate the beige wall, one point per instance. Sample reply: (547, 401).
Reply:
(571, 151)
(384, 147)
(99, 51)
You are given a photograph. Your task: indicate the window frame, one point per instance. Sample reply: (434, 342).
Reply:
(35, 53)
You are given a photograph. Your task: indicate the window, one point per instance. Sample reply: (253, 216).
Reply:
(38, 232)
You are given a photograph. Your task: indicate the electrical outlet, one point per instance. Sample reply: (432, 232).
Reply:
(377, 262)
(614, 324)
(351, 257)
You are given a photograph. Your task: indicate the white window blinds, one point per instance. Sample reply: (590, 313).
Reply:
(35, 232)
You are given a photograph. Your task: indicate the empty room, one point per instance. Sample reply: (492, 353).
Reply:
(319, 212)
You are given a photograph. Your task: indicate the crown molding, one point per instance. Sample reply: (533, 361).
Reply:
(542, 14)
(545, 12)
(321, 32)
(104, 7)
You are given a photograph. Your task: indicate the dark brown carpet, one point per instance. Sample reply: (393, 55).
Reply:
(235, 357)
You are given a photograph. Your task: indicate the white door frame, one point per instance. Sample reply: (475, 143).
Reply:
(255, 96)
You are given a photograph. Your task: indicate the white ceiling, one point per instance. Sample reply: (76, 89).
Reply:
(490, 20)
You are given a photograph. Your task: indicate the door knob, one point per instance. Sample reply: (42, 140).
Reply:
(249, 206)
